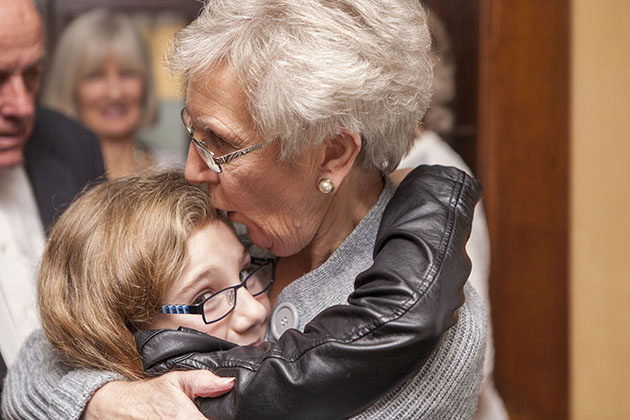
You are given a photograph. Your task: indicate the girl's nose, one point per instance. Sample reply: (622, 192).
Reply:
(250, 312)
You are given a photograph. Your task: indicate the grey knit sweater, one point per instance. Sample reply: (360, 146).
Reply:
(39, 386)
(447, 386)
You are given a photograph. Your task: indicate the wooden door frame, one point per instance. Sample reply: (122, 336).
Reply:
(523, 163)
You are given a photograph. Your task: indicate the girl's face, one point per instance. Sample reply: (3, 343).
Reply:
(216, 260)
(110, 100)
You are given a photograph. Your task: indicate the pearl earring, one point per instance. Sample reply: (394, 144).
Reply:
(326, 186)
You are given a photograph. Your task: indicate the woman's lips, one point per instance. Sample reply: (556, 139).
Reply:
(114, 112)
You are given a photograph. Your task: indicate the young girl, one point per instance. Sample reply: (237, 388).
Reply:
(131, 248)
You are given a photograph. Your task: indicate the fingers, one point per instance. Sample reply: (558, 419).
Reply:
(169, 396)
(201, 383)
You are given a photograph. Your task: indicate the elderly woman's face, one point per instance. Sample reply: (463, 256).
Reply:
(277, 201)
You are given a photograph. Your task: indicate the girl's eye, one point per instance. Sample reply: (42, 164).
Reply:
(245, 272)
(202, 297)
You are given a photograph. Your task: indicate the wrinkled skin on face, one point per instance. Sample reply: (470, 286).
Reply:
(277, 200)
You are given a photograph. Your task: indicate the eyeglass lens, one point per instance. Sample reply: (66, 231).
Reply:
(256, 279)
(219, 305)
(206, 155)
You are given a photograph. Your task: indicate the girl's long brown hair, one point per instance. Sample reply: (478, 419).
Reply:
(109, 263)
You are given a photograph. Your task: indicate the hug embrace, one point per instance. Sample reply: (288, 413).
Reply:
(297, 112)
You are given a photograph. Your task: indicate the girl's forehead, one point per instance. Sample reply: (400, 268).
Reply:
(215, 242)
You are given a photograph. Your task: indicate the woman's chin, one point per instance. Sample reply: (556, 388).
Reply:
(254, 232)
(280, 247)
(260, 240)
(123, 134)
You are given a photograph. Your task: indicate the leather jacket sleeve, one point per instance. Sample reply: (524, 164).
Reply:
(350, 355)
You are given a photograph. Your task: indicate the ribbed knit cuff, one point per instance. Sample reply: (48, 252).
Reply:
(70, 397)
(40, 387)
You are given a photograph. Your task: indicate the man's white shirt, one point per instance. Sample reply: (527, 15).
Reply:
(21, 246)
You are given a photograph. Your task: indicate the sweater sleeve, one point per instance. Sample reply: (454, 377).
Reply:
(447, 386)
(39, 386)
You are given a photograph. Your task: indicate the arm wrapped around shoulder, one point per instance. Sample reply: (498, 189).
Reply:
(351, 355)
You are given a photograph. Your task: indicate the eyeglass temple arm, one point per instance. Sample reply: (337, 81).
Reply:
(182, 309)
(198, 309)
(231, 156)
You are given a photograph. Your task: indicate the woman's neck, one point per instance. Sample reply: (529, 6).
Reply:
(121, 157)
(351, 202)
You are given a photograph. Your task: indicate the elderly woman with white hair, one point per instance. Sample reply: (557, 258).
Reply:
(101, 75)
(297, 111)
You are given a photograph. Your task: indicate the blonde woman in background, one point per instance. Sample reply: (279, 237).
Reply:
(101, 75)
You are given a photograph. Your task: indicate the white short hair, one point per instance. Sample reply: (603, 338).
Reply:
(312, 67)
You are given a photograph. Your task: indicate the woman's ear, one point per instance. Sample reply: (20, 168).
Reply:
(339, 154)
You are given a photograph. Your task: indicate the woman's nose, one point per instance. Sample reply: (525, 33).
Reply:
(114, 85)
(196, 171)
(248, 313)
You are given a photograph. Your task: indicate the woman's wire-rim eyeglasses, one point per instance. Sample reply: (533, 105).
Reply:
(206, 154)
(228, 293)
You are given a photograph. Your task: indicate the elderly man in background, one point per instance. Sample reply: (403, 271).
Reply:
(45, 159)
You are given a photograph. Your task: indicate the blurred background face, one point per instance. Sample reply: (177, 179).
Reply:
(21, 52)
(110, 99)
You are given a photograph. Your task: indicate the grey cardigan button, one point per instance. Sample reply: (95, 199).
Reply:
(284, 317)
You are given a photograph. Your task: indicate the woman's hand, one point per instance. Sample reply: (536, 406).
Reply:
(169, 396)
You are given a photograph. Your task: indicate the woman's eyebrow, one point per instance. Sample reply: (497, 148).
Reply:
(206, 127)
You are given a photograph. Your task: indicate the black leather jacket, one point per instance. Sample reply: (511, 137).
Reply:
(350, 355)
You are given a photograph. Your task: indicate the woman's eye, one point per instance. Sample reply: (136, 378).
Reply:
(129, 74)
(217, 145)
(95, 75)
(202, 298)
(220, 146)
